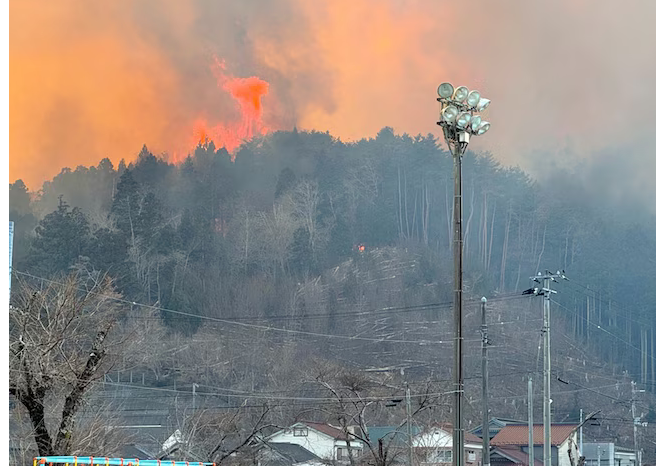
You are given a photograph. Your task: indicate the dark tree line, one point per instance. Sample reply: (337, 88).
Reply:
(211, 237)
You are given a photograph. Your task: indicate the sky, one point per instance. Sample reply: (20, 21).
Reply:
(569, 80)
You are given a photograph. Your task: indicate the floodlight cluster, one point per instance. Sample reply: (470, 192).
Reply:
(459, 106)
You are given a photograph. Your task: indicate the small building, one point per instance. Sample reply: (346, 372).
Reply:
(324, 440)
(511, 445)
(608, 454)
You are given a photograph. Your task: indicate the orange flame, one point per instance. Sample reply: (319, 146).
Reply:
(248, 93)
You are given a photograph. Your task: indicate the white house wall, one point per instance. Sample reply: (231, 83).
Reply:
(440, 439)
(563, 455)
(321, 445)
(624, 459)
(433, 439)
(318, 443)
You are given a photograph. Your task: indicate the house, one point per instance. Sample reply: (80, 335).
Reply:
(393, 440)
(608, 454)
(285, 454)
(510, 445)
(434, 446)
(324, 440)
(511, 456)
(391, 436)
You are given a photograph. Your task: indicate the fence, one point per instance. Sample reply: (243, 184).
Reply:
(103, 461)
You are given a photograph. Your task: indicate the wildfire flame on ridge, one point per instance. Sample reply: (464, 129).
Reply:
(247, 93)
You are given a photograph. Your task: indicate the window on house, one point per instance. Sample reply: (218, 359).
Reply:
(442, 456)
(342, 453)
(300, 432)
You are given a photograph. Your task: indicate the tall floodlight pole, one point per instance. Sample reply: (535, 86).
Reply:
(459, 121)
(11, 252)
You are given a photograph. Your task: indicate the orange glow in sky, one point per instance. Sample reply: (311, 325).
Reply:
(90, 80)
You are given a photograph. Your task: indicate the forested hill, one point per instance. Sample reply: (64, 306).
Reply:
(301, 222)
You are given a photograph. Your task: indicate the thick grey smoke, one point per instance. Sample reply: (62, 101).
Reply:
(570, 79)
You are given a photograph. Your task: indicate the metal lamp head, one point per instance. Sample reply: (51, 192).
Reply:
(449, 114)
(485, 126)
(463, 119)
(473, 98)
(445, 90)
(475, 123)
(482, 104)
(460, 94)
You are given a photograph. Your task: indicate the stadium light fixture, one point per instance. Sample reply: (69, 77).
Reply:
(460, 94)
(483, 128)
(445, 90)
(475, 123)
(482, 104)
(473, 98)
(449, 114)
(463, 120)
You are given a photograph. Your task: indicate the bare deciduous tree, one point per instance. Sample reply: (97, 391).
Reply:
(60, 343)
(358, 399)
(216, 436)
(276, 233)
(305, 200)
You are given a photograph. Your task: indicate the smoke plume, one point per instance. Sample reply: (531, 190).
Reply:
(95, 79)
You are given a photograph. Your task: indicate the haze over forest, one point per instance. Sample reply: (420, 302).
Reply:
(263, 185)
(568, 80)
(227, 251)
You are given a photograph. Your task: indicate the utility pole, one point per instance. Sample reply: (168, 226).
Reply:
(545, 291)
(581, 432)
(486, 421)
(547, 373)
(408, 422)
(636, 423)
(531, 455)
(598, 455)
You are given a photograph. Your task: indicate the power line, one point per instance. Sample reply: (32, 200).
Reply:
(618, 306)
(599, 327)
(271, 328)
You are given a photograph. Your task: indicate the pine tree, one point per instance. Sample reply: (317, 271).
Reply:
(61, 238)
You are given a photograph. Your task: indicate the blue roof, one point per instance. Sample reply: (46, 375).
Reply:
(391, 435)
